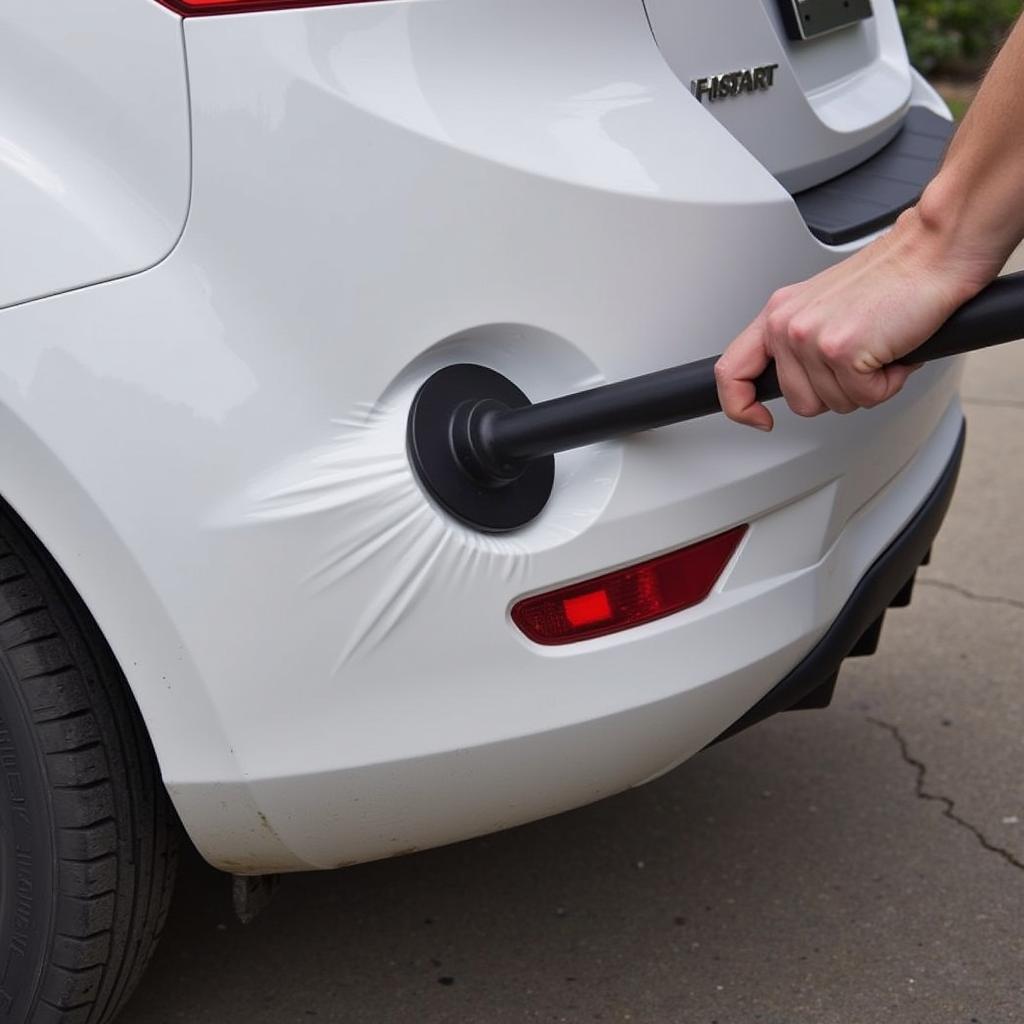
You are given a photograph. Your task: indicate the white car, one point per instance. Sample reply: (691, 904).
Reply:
(237, 238)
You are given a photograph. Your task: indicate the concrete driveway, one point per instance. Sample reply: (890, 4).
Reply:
(859, 865)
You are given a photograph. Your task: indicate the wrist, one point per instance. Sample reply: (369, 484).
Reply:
(954, 226)
(944, 238)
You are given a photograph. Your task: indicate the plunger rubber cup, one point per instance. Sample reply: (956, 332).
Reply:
(442, 441)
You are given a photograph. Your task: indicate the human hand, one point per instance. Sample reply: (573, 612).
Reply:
(836, 336)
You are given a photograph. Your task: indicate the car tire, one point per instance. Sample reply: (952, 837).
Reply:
(88, 838)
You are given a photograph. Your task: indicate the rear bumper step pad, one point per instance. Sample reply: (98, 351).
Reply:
(873, 194)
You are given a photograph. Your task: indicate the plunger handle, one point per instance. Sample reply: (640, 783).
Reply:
(486, 454)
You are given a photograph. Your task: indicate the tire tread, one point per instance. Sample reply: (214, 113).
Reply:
(115, 831)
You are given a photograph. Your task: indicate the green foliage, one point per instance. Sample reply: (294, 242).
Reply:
(955, 35)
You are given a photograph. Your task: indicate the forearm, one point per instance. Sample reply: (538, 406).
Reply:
(975, 205)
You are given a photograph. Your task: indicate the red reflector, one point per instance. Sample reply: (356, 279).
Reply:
(587, 608)
(191, 7)
(628, 597)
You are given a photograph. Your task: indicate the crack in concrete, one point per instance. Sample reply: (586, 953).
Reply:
(993, 403)
(1009, 602)
(947, 804)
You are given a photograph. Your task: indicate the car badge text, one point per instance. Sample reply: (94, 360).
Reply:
(734, 83)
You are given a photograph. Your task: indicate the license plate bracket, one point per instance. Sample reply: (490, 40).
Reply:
(808, 19)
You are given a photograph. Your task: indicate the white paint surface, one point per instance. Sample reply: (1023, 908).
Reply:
(213, 449)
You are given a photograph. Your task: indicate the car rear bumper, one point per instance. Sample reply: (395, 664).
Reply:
(592, 720)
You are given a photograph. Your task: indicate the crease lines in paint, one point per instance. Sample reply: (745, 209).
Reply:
(401, 593)
(362, 481)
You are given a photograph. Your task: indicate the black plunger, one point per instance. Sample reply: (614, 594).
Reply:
(486, 454)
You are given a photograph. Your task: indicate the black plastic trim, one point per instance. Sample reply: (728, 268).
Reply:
(879, 586)
(873, 194)
(807, 19)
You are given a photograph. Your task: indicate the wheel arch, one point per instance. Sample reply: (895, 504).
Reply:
(192, 749)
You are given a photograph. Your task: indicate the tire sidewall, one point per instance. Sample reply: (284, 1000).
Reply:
(27, 855)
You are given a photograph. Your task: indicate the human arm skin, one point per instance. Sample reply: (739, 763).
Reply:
(835, 336)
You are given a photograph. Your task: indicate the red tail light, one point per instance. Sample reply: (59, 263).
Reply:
(628, 597)
(189, 8)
